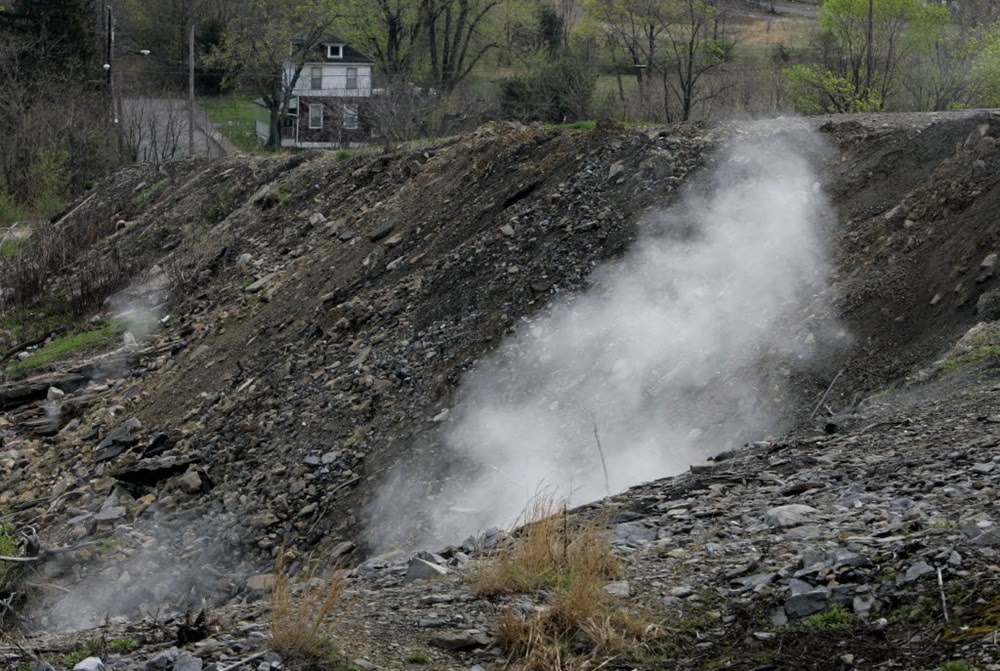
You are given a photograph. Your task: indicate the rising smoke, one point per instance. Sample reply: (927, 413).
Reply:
(675, 354)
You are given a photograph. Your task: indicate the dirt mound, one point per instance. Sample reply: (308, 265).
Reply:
(315, 316)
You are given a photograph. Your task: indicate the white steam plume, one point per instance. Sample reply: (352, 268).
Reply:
(670, 357)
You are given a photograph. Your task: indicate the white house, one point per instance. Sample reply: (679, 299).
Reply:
(330, 99)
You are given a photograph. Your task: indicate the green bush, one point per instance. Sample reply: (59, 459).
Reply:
(817, 91)
(48, 180)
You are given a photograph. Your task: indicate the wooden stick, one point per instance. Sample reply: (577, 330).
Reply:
(944, 603)
(825, 394)
(242, 662)
(600, 451)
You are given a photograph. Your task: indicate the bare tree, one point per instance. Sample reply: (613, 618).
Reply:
(456, 38)
(153, 129)
(401, 110)
(696, 44)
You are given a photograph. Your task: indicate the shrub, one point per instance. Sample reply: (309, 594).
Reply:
(297, 614)
(550, 553)
(571, 562)
(834, 617)
(557, 92)
(958, 665)
(48, 179)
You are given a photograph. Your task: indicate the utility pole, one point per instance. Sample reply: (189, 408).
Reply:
(191, 89)
(109, 54)
(869, 67)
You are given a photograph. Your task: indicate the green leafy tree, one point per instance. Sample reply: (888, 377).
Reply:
(865, 45)
(551, 29)
(162, 28)
(818, 91)
(984, 75)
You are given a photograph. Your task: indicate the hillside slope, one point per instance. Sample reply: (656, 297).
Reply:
(299, 326)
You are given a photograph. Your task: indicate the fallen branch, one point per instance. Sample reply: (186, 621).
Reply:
(28, 343)
(825, 394)
(243, 661)
(45, 553)
(944, 602)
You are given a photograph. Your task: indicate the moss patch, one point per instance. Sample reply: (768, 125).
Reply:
(57, 349)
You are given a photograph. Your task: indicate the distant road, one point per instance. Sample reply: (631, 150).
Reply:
(158, 129)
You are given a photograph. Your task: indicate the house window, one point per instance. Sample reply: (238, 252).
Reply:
(316, 78)
(315, 116)
(350, 117)
(335, 51)
(352, 78)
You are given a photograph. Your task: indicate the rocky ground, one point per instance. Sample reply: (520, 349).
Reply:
(304, 323)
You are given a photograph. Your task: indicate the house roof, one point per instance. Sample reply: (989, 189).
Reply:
(350, 54)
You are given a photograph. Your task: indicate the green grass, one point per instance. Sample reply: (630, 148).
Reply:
(8, 548)
(576, 125)
(235, 118)
(62, 347)
(88, 649)
(418, 658)
(959, 665)
(834, 617)
(985, 354)
(123, 646)
(145, 196)
(9, 247)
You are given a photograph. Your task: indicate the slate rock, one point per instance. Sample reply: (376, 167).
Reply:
(617, 588)
(634, 533)
(188, 663)
(191, 482)
(788, 516)
(919, 569)
(458, 641)
(796, 586)
(988, 306)
(89, 664)
(382, 231)
(421, 569)
(990, 538)
(163, 661)
(111, 513)
(808, 603)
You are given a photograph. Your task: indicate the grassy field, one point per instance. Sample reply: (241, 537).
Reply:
(235, 119)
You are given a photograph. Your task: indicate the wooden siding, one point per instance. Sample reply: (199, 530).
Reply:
(334, 81)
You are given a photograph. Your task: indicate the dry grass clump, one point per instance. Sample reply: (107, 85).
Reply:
(297, 614)
(549, 553)
(580, 625)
